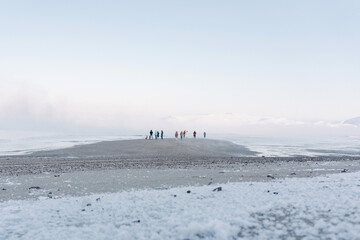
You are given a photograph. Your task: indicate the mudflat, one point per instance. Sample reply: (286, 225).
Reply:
(141, 148)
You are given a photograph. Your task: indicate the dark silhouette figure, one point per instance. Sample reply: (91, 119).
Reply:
(151, 134)
(162, 134)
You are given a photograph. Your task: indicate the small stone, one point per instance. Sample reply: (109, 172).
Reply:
(98, 199)
(270, 176)
(209, 183)
(344, 170)
(3, 189)
(175, 195)
(56, 175)
(218, 189)
(276, 193)
(188, 191)
(83, 210)
(268, 190)
(292, 173)
(36, 187)
(136, 221)
(88, 205)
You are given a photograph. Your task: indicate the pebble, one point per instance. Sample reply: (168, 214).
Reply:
(270, 176)
(36, 187)
(188, 191)
(218, 189)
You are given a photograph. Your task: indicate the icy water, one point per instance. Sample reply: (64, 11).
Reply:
(20, 143)
(284, 147)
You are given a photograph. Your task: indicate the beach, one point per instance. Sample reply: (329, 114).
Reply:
(114, 166)
(189, 189)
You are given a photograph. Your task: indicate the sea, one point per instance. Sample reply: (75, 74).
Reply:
(25, 143)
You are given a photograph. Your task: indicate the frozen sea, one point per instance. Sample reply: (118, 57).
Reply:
(324, 207)
(23, 143)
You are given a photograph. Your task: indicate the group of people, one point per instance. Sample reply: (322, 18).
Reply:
(183, 134)
(156, 134)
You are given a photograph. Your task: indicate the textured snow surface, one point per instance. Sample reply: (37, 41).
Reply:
(313, 208)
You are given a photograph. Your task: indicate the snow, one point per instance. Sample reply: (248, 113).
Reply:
(309, 208)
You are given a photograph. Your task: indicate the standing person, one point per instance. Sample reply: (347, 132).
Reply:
(162, 134)
(155, 135)
(181, 134)
(194, 134)
(151, 133)
(176, 134)
(184, 133)
(204, 134)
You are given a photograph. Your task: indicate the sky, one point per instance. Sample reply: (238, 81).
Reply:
(244, 67)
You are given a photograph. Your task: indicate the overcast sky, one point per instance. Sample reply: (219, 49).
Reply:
(249, 67)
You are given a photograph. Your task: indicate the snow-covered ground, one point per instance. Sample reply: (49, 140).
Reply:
(308, 208)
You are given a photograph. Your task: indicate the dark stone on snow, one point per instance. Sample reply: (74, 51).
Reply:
(188, 191)
(218, 189)
(36, 187)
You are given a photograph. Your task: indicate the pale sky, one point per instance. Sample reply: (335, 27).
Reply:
(248, 67)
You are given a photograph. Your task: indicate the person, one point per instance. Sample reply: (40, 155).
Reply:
(176, 134)
(181, 134)
(184, 133)
(204, 134)
(151, 134)
(162, 134)
(194, 134)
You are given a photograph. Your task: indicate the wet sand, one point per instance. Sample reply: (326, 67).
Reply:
(137, 164)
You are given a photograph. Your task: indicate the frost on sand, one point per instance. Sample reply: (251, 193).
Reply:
(313, 208)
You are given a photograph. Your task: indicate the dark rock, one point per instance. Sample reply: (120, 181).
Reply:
(188, 191)
(175, 195)
(88, 205)
(209, 183)
(136, 221)
(3, 189)
(270, 176)
(218, 189)
(276, 193)
(98, 199)
(36, 187)
(268, 190)
(83, 210)
(292, 173)
(56, 175)
(344, 170)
